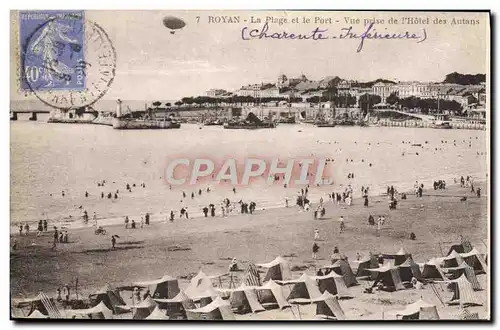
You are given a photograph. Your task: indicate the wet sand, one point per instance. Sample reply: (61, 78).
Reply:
(437, 219)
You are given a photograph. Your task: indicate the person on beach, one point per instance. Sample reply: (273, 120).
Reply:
(286, 201)
(27, 229)
(20, 230)
(342, 224)
(205, 211)
(40, 228)
(172, 215)
(56, 238)
(113, 242)
(183, 211)
(183, 194)
(358, 256)
(315, 250)
(102, 194)
(126, 222)
(223, 211)
(187, 215)
(478, 192)
(371, 220)
(146, 294)
(234, 190)
(61, 237)
(192, 195)
(336, 250)
(45, 225)
(366, 201)
(136, 296)
(142, 222)
(316, 234)
(413, 236)
(146, 219)
(322, 212)
(212, 210)
(472, 188)
(132, 225)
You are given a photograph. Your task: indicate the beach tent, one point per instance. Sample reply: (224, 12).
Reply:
(366, 262)
(333, 283)
(463, 247)
(452, 260)
(401, 256)
(199, 283)
(328, 306)
(177, 306)
(216, 310)
(99, 312)
(419, 310)
(303, 291)
(42, 303)
(409, 269)
(244, 300)
(343, 268)
(277, 270)
(466, 270)
(109, 296)
(465, 314)
(475, 260)
(271, 294)
(463, 293)
(432, 270)
(165, 287)
(143, 309)
(36, 314)
(388, 275)
(204, 298)
(157, 314)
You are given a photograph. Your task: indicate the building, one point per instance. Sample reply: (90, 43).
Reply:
(216, 92)
(383, 90)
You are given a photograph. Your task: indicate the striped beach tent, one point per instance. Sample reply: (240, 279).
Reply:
(465, 314)
(42, 303)
(109, 296)
(464, 269)
(251, 276)
(333, 283)
(328, 306)
(36, 314)
(365, 263)
(463, 293)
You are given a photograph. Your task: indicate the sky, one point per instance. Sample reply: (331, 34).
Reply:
(154, 64)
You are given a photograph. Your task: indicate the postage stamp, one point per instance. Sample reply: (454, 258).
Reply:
(52, 44)
(66, 61)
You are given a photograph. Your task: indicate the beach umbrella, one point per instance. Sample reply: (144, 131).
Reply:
(173, 23)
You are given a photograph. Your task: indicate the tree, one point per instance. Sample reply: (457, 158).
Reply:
(178, 103)
(168, 104)
(392, 99)
(156, 104)
(313, 99)
(367, 101)
(464, 79)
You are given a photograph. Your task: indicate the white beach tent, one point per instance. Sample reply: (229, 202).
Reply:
(432, 270)
(303, 291)
(101, 311)
(333, 283)
(244, 299)
(157, 314)
(475, 260)
(177, 306)
(36, 314)
(277, 270)
(452, 260)
(328, 306)
(419, 310)
(465, 314)
(271, 294)
(165, 287)
(343, 268)
(217, 310)
(388, 275)
(409, 269)
(142, 309)
(199, 283)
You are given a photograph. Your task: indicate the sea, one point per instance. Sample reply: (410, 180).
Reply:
(49, 159)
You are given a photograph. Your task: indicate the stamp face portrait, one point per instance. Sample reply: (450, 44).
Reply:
(66, 61)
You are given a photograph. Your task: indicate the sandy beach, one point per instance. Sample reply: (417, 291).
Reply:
(437, 219)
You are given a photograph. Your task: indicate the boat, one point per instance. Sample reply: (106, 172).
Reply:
(442, 125)
(247, 125)
(139, 123)
(345, 122)
(325, 124)
(216, 122)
